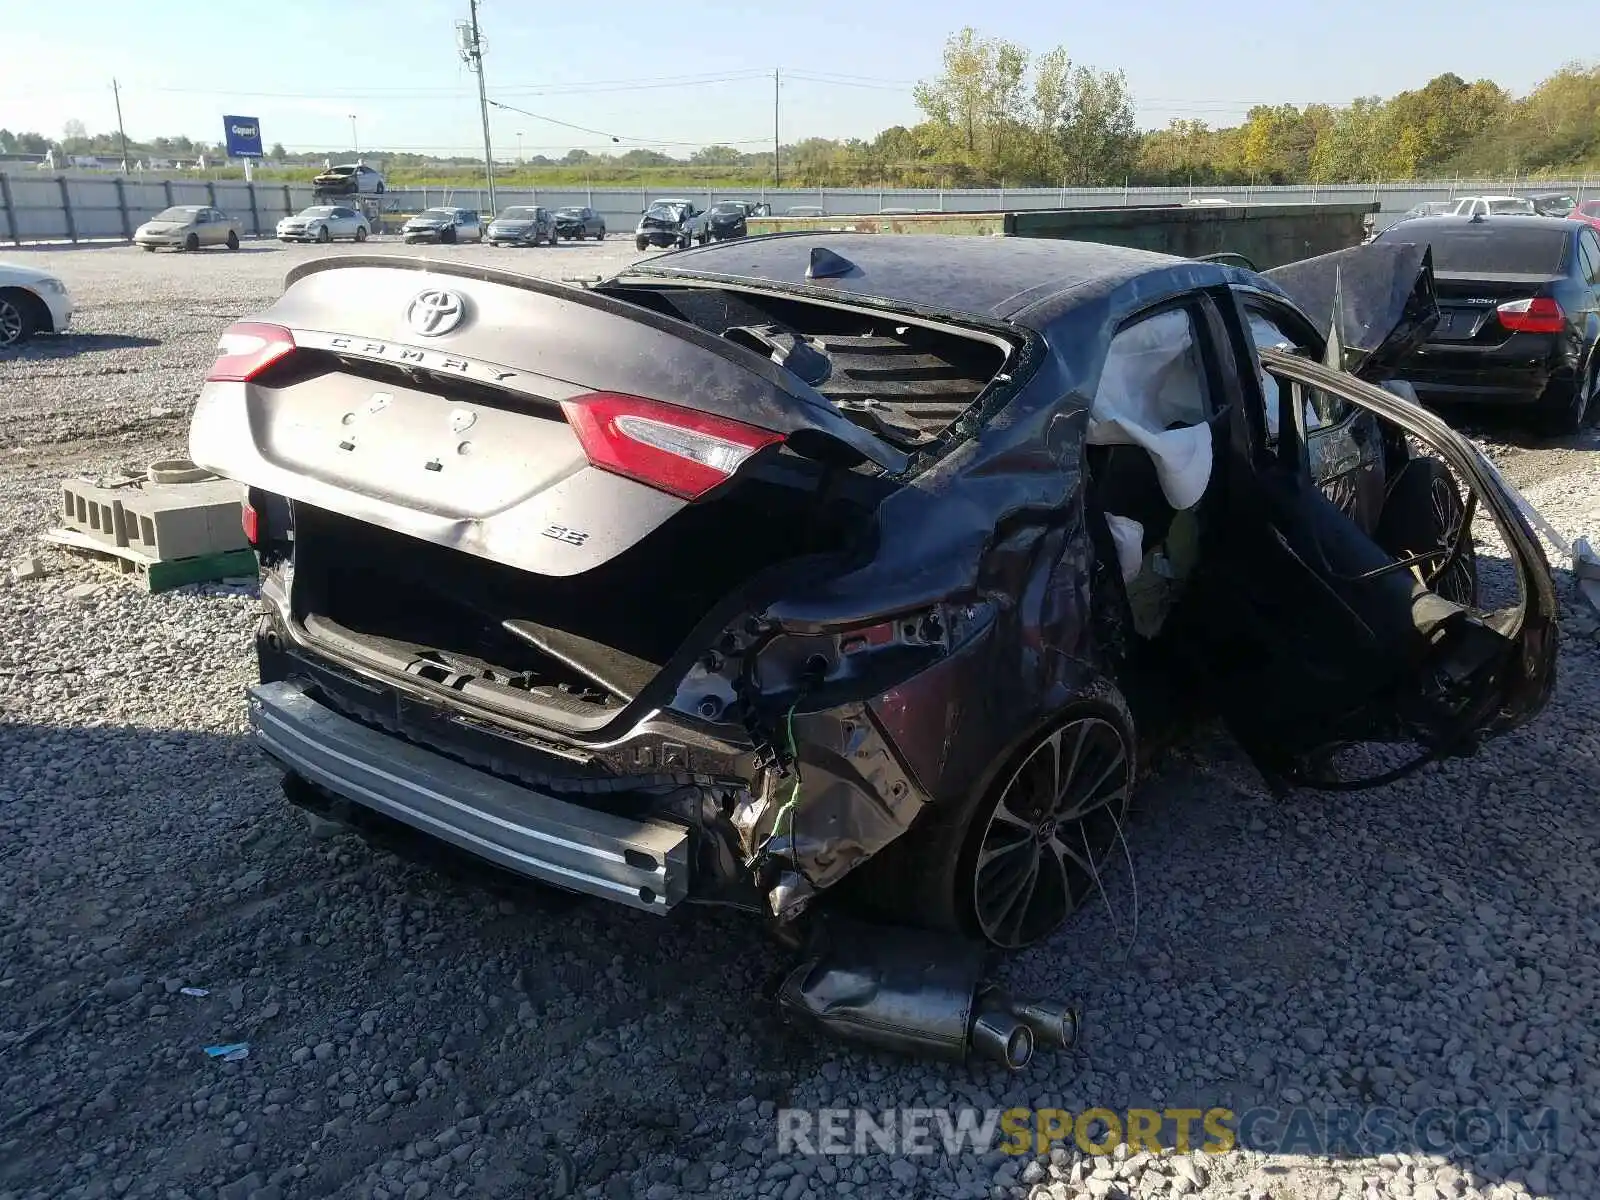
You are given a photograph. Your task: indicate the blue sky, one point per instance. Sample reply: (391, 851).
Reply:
(656, 73)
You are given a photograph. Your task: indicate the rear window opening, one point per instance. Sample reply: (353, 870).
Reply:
(905, 382)
(437, 613)
(1490, 249)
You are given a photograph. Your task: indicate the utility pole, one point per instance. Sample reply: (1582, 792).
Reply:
(777, 171)
(469, 39)
(122, 136)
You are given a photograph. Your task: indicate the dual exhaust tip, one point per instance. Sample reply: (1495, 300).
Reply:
(919, 994)
(1008, 1031)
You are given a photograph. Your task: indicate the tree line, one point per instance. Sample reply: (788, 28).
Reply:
(998, 115)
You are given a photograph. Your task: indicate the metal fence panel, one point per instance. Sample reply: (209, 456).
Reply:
(64, 205)
(37, 208)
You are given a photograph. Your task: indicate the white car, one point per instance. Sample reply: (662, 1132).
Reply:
(31, 301)
(671, 221)
(324, 223)
(350, 179)
(1492, 206)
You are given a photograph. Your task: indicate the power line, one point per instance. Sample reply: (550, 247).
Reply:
(603, 89)
(617, 137)
(584, 88)
(807, 77)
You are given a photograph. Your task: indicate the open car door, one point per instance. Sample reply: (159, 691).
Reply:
(1313, 640)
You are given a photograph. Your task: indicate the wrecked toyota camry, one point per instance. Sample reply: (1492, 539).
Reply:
(854, 567)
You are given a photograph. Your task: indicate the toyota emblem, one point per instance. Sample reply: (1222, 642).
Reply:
(435, 312)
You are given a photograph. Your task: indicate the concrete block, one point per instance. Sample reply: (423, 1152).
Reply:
(93, 510)
(163, 521)
(183, 520)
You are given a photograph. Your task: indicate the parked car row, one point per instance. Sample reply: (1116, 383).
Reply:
(1548, 204)
(673, 221)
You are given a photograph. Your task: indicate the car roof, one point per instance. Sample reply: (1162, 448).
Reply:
(987, 277)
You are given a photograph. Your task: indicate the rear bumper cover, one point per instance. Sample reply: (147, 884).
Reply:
(1518, 372)
(1490, 383)
(644, 864)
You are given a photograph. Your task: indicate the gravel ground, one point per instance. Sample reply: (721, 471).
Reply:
(414, 1032)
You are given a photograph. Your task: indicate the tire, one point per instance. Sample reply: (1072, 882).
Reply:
(1422, 512)
(947, 874)
(148, 249)
(640, 243)
(19, 316)
(1564, 407)
(361, 233)
(601, 236)
(449, 238)
(233, 240)
(323, 235)
(378, 191)
(192, 242)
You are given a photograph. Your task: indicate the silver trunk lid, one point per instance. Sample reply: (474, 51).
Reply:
(454, 432)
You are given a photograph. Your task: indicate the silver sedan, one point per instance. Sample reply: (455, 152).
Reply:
(188, 227)
(324, 223)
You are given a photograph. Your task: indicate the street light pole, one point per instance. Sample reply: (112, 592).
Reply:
(354, 141)
(519, 147)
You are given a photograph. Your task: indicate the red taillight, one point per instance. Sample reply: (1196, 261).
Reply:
(250, 522)
(1538, 315)
(674, 449)
(248, 348)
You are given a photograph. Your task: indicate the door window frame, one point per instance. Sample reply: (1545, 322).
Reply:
(1215, 393)
(1301, 334)
(1589, 255)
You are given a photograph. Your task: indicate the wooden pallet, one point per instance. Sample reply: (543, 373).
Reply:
(154, 574)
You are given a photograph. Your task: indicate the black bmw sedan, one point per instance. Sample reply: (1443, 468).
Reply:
(1518, 325)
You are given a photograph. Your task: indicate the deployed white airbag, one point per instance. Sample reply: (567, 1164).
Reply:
(1127, 535)
(1152, 380)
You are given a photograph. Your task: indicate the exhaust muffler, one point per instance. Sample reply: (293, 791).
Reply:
(919, 994)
